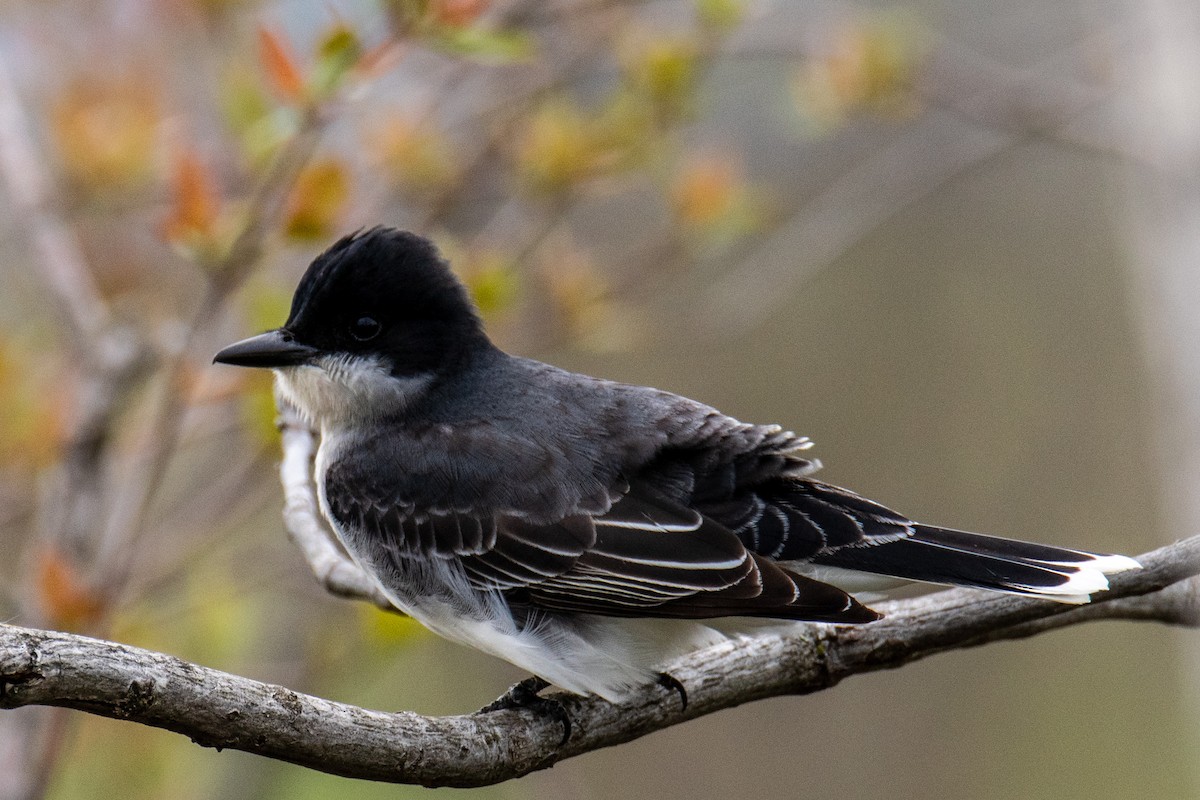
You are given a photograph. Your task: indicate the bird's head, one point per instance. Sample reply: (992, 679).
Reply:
(375, 320)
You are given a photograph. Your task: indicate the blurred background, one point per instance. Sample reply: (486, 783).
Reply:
(955, 243)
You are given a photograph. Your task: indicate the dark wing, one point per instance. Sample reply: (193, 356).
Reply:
(653, 557)
(789, 519)
(647, 556)
(754, 481)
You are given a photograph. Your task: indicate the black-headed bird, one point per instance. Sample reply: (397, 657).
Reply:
(582, 529)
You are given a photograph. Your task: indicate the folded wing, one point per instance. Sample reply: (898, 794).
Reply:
(646, 556)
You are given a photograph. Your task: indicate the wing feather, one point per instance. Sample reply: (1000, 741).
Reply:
(645, 556)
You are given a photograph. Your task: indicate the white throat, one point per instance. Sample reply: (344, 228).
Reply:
(340, 391)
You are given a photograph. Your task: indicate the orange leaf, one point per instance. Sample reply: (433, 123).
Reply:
(705, 189)
(36, 400)
(69, 603)
(106, 130)
(280, 65)
(457, 13)
(415, 153)
(195, 208)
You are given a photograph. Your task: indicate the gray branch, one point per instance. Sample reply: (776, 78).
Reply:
(302, 518)
(61, 258)
(216, 709)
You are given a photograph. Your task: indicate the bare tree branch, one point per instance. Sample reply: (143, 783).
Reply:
(112, 357)
(302, 518)
(61, 258)
(216, 709)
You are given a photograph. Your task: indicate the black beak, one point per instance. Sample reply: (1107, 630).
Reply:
(274, 348)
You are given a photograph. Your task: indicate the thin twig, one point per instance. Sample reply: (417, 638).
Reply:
(61, 258)
(126, 526)
(111, 358)
(1010, 108)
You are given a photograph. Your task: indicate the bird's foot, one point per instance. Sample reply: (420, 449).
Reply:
(525, 695)
(671, 683)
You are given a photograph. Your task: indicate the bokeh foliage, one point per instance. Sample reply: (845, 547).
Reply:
(566, 156)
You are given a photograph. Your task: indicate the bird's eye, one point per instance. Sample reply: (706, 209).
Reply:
(365, 328)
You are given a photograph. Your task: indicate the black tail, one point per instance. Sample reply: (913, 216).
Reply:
(958, 558)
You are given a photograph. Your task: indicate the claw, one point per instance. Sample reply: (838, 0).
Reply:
(671, 683)
(517, 696)
(525, 695)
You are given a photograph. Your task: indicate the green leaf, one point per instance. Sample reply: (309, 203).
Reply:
(494, 46)
(720, 14)
(265, 304)
(337, 54)
(493, 286)
(389, 628)
(242, 99)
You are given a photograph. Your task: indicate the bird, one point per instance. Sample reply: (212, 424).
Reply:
(588, 531)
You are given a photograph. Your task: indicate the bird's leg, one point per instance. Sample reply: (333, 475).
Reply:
(524, 694)
(518, 695)
(671, 683)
